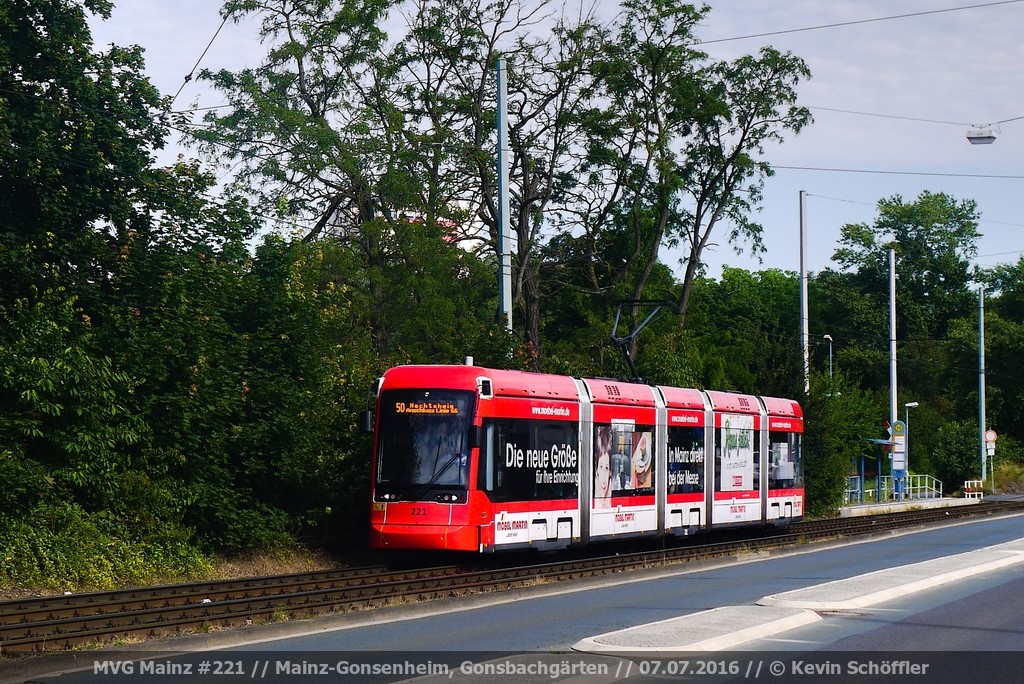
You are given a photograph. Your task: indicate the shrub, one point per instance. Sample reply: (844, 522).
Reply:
(64, 548)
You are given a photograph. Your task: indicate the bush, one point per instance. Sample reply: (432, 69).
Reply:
(1009, 477)
(956, 458)
(66, 549)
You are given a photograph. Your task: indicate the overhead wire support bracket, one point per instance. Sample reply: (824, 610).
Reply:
(624, 342)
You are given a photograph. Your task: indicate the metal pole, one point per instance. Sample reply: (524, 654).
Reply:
(504, 238)
(981, 379)
(893, 416)
(892, 337)
(804, 341)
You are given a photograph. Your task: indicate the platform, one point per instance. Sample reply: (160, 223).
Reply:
(733, 626)
(854, 510)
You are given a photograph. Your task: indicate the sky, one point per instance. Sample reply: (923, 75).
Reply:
(895, 86)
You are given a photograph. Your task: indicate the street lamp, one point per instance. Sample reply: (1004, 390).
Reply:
(983, 134)
(908, 406)
(829, 338)
(906, 421)
(906, 442)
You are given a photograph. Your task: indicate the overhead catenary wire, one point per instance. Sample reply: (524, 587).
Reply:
(898, 173)
(893, 17)
(855, 22)
(191, 73)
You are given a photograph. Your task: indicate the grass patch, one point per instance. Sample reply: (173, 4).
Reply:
(1009, 477)
(67, 549)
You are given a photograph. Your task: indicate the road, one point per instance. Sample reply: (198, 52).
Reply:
(977, 614)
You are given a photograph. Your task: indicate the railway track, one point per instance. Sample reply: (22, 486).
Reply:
(65, 622)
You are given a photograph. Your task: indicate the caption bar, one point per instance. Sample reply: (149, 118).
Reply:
(579, 668)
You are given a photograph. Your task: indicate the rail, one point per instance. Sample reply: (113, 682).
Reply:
(66, 622)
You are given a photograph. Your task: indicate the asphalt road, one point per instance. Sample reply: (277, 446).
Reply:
(979, 614)
(556, 620)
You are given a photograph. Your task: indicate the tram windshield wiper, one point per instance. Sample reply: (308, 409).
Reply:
(437, 476)
(444, 468)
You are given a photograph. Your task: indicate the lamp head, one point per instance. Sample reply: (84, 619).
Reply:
(981, 136)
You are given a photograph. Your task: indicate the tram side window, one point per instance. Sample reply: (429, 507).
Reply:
(686, 460)
(529, 460)
(785, 469)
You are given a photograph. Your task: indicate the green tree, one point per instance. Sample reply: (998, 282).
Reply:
(934, 239)
(357, 135)
(746, 326)
(857, 318)
(1007, 282)
(76, 131)
(308, 365)
(1004, 349)
(64, 407)
(364, 141)
(957, 457)
(838, 419)
(673, 151)
(1003, 390)
(121, 310)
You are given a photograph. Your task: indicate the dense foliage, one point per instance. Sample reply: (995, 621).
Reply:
(181, 367)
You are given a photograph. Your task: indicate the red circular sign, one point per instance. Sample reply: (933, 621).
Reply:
(990, 435)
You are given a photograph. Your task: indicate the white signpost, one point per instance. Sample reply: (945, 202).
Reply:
(990, 451)
(899, 457)
(899, 449)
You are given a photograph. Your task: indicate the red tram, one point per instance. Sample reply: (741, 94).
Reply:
(475, 459)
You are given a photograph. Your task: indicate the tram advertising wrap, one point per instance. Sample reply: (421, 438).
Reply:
(476, 459)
